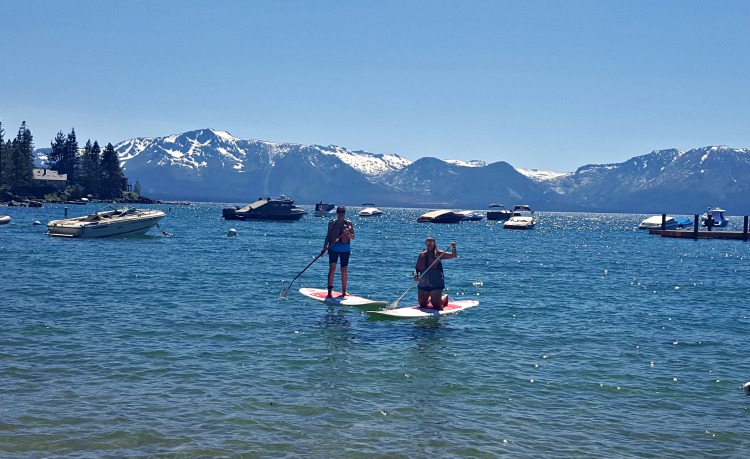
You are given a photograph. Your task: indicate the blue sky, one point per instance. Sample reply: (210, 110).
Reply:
(549, 85)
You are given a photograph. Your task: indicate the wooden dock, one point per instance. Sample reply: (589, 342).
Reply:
(703, 234)
(690, 234)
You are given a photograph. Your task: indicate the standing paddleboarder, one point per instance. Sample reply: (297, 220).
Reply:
(343, 230)
(432, 283)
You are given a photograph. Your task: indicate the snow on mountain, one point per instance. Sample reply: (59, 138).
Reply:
(541, 176)
(369, 164)
(472, 163)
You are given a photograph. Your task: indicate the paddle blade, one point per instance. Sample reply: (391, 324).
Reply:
(283, 293)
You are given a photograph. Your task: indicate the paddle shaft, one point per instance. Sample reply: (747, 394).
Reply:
(286, 290)
(395, 303)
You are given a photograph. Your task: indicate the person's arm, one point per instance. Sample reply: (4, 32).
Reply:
(326, 242)
(349, 228)
(419, 263)
(452, 254)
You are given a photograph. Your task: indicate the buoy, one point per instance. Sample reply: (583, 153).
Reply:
(746, 386)
(232, 232)
(36, 223)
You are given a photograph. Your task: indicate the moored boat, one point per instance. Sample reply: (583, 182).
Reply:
(471, 215)
(369, 210)
(281, 208)
(498, 212)
(440, 216)
(523, 218)
(670, 222)
(324, 210)
(110, 221)
(714, 218)
(4, 219)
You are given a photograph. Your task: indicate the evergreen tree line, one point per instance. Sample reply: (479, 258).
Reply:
(90, 171)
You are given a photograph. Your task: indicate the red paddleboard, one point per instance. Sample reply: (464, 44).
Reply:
(415, 312)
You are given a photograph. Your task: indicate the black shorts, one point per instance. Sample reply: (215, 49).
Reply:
(333, 257)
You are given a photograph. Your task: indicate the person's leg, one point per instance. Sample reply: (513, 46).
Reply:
(436, 298)
(333, 258)
(344, 274)
(344, 271)
(423, 297)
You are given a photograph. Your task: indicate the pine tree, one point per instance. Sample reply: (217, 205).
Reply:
(21, 165)
(94, 162)
(111, 175)
(55, 158)
(70, 157)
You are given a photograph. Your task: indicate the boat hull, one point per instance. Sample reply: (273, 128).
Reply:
(130, 225)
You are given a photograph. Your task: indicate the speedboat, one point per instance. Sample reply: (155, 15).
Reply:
(281, 208)
(324, 210)
(369, 211)
(110, 221)
(523, 218)
(471, 215)
(717, 214)
(440, 216)
(498, 212)
(670, 222)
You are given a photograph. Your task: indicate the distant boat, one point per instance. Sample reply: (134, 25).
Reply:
(440, 216)
(498, 212)
(471, 215)
(324, 210)
(4, 219)
(369, 211)
(111, 221)
(523, 218)
(717, 214)
(281, 208)
(670, 222)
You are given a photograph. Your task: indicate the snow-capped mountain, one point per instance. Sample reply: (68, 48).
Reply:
(213, 165)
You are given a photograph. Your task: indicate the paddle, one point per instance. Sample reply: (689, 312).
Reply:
(395, 303)
(286, 290)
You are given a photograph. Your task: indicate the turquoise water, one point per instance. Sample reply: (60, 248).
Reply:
(592, 339)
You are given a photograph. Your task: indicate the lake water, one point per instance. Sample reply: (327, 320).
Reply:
(592, 339)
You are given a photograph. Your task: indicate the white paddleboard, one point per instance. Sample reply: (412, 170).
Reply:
(337, 300)
(415, 312)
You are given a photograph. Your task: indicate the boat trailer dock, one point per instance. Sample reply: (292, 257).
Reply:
(695, 233)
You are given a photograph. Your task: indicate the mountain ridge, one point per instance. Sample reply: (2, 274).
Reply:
(212, 165)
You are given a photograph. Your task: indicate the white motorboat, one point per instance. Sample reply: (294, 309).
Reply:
(498, 212)
(4, 219)
(111, 221)
(523, 218)
(670, 222)
(369, 211)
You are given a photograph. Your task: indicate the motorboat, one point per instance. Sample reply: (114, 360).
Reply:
(281, 208)
(523, 218)
(4, 219)
(670, 222)
(717, 214)
(471, 215)
(440, 216)
(110, 221)
(324, 210)
(369, 210)
(498, 212)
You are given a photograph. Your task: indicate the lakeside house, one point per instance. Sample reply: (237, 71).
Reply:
(49, 178)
